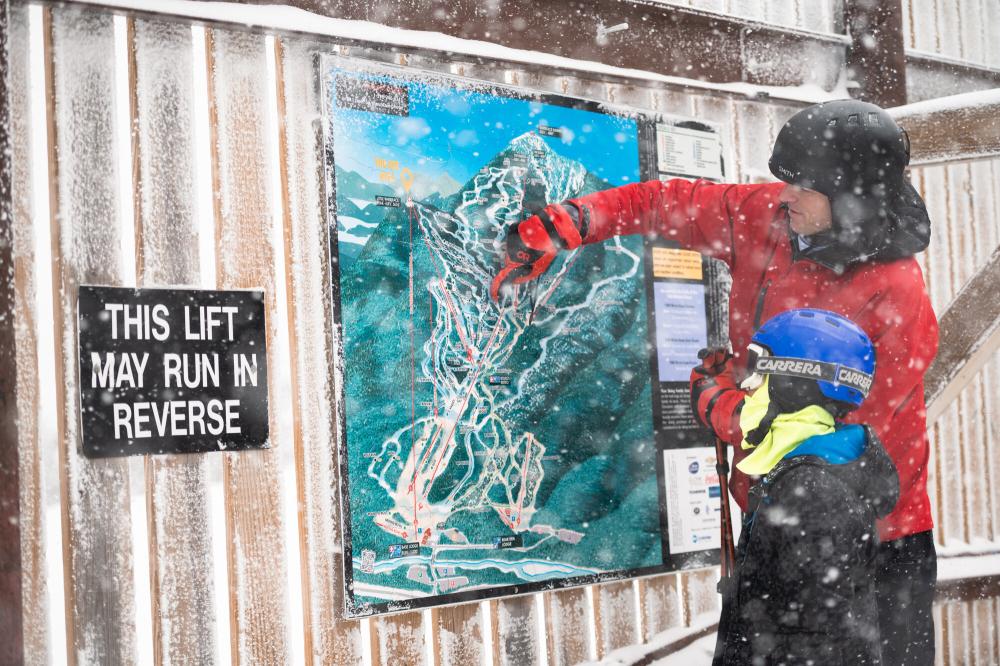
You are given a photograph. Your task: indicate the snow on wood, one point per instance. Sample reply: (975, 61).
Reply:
(964, 126)
(948, 30)
(257, 554)
(457, 635)
(296, 20)
(167, 254)
(310, 321)
(100, 589)
(697, 652)
(614, 616)
(566, 627)
(35, 629)
(699, 593)
(923, 25)
(660, 605)
(664, 643)
(970, 334)
(398, 639)
(984, 631)
(515, 631)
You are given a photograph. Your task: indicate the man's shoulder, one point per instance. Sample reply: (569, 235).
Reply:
(899, 277)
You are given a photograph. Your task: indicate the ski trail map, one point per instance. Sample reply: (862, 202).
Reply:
(487, 449)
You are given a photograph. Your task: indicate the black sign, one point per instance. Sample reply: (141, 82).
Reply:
(508, 541)
(364, 94)
(171, 371)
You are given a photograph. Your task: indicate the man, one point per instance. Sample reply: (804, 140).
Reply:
(839, 233)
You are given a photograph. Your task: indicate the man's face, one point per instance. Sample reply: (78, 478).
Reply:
(808, 211)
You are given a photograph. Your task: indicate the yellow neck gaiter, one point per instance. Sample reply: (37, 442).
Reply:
(787, 431)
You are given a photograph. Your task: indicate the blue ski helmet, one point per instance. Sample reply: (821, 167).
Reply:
(818, 345)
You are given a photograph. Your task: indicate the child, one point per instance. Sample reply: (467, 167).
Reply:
(804, 586)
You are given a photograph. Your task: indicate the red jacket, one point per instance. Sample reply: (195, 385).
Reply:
(744, 226)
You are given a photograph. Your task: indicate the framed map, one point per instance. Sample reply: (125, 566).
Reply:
(492, 449)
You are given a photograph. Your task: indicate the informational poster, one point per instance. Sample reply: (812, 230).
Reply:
(694, 512)
(171, 371)
(688, 149)
(489, 449)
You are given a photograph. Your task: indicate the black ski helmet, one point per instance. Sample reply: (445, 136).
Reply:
(855, 154)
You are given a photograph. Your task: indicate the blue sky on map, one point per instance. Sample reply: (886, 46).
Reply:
(457, 131)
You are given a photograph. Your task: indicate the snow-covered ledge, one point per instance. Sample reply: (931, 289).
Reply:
(291, 20)
(957, 127)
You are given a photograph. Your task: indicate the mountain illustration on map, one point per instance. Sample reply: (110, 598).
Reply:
(486, 451)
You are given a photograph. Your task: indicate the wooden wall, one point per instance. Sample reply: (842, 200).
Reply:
(180, 155)
(815, 15)
(962, 33)
(964, 481)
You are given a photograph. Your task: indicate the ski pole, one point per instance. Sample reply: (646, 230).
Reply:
(727, 554)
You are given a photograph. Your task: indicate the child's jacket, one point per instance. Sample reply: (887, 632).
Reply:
(804, 588)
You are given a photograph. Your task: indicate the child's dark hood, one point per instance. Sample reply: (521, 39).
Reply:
(872, 475)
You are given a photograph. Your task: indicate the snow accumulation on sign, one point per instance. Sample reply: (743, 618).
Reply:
(171, 371)
(485, 450)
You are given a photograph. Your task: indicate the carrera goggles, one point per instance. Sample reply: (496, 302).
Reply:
(761, 363)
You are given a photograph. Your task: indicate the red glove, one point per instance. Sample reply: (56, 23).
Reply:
(711, 385)
(532, 245)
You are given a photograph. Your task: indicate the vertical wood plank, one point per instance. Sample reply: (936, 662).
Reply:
(457, 635)
(659, 603)
(958, 637)
(940, 634)
(752, 141)
(329, 638)
(566, 626)
(985, 631)
(614, 616)
(180, 548)
(991, 17)
(34, 609)
(991, 407)
(949, 37)
(256, 550)
(699, 593)
(12, 580)
(398, 639)
(922, 13)
(100, 604)
(515, 636)
(973, 36)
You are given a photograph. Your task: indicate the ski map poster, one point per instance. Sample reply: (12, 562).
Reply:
(492, 449)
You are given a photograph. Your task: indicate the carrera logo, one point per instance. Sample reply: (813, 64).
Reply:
(854, 378)
(778, 366)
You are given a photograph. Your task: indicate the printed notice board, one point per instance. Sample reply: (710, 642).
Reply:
(490, 449)
(171, 371)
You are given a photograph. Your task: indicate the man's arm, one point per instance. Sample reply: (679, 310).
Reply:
(904, 330)
(718, 220)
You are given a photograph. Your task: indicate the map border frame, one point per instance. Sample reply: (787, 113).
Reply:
(647, 121)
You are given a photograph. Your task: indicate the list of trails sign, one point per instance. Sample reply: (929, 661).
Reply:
(171, 371)
(491, 449)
